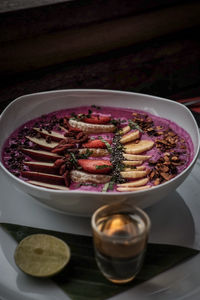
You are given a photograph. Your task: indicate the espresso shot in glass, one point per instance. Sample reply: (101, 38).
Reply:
(120, 235)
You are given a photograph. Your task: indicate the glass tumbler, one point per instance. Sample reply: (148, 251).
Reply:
(120, 234)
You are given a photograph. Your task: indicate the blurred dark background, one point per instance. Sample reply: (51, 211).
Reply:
(142, 46)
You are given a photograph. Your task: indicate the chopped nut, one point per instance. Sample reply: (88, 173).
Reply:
(157, 181)
(164, 168)
(152, 174)
(159, 127)
(171, 133)
(166, 176)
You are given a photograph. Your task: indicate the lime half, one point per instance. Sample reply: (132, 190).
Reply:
(42, 255)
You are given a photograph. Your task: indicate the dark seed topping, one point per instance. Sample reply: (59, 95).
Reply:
(116, 160)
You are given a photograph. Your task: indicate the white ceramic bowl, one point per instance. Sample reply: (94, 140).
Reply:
(83, 203)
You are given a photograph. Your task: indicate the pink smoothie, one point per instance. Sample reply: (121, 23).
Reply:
(13, 159)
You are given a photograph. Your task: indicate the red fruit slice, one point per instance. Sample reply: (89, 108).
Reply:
(39, 166)
(44, 177)
(99, 166)
(41, 154)
(55, 136)
(48, 185)
(43, 143)
(95, 144)
(97, 119)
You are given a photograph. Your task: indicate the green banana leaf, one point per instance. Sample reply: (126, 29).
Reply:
(82, 280)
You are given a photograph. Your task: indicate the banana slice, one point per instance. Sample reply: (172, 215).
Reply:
(134, 174)
(133, 189)
(83, 177)
(125, 129)
(136, 157)
(132, 162)
(42, 255)
(139, 168)
(91, 128)
(132, 136)
(139, 182)
(142, 146)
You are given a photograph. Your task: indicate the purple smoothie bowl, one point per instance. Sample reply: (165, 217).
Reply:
(80, 202)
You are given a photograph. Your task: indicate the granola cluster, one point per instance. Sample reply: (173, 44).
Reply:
(165, 168)
(171, 146)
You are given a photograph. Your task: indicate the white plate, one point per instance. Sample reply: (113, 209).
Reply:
(175, 220)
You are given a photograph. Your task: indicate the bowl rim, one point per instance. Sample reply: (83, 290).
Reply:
(67, 192)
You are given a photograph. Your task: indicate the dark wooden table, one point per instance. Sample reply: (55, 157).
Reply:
(146, 48)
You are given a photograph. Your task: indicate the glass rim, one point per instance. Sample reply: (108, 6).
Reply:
(136, 208)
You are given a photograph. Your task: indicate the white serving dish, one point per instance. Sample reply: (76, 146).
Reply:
(84, 203)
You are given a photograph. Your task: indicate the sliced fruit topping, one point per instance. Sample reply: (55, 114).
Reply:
(132, 162)
(48, 185)
(96, 144)
(91, 128)
(39, 166)
(133, 189)
(136, 157)
(42, 255)
(44, 177)
(42, 143)
(140, 147)
(132, 136)
(83, 177)
(95, 166)
(125, 130)
(97, 119)
(139, 168)
(53, 135)
(134, 174)
(138, 182)
(107, 143)
(40, 154)
(93, 152)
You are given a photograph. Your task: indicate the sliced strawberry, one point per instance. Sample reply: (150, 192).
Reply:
(99, 166)
(97, 119)
(95, 144)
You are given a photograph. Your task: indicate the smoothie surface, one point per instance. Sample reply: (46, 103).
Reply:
(171, 153)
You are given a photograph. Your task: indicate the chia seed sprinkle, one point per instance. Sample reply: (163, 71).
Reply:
(116, 159)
